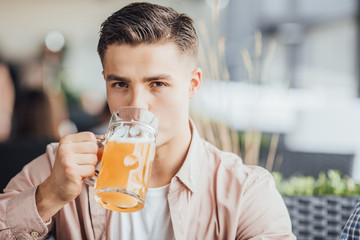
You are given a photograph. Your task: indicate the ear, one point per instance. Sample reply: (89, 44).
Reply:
(195, 82)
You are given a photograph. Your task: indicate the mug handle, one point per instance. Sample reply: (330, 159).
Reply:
(100, 140)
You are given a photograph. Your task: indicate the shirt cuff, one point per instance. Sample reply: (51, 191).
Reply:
(23, 219)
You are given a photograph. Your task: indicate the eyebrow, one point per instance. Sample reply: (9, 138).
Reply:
(112, 77)
(166, 77)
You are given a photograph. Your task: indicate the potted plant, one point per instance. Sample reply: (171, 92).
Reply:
(319, 208)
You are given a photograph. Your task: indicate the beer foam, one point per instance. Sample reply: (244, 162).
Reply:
(115, 138)
(131, 135)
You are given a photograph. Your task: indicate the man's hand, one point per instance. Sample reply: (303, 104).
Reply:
(75, 159)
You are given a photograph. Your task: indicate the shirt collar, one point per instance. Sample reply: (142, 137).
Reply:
(189, 171)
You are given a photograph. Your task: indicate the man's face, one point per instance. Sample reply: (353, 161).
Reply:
(155, 77)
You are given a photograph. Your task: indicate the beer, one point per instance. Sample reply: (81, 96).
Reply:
(128, 149)
(125, 172)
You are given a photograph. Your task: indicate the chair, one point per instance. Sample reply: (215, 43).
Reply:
(15, 154)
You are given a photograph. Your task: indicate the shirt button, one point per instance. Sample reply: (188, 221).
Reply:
(34, 234)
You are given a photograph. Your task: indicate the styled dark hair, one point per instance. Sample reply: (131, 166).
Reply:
(144, 22)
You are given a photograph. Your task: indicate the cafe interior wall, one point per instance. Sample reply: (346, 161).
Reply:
(25, 24)
(303, 91)
(318, 110)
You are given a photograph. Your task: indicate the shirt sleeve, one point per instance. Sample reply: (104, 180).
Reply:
(263, 212)
(19, 218)
(351, 230)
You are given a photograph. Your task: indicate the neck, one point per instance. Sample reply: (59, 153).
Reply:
(169, 158)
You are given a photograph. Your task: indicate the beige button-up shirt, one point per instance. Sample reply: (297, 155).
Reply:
(213, 196)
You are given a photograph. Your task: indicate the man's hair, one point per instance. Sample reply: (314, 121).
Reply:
(148, 23)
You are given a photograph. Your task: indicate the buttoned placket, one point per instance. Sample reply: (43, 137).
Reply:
(178, 202)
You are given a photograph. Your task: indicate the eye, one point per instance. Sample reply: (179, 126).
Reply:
(119, 85)
(157, 84)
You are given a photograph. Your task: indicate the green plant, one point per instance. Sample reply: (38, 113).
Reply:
(332, 183)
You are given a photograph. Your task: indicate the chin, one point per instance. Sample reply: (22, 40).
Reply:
(160, 142)
(162, 139)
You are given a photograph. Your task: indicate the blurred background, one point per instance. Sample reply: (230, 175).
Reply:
(280, 88)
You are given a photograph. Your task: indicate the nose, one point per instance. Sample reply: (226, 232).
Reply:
(138, 98)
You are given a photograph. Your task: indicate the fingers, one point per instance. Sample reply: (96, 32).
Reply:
(81, 143)
(83, 147)
(75, 151)
(83, 171)
(85, 159)
(78, 137)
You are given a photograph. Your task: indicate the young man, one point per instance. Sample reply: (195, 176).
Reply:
(149, 56)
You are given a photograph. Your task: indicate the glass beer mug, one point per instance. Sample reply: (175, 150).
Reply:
(129, 149)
